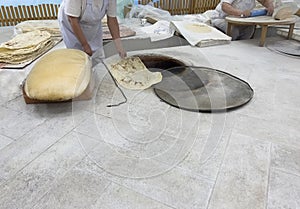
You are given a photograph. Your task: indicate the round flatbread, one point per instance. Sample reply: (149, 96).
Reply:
(23, 41)
(50, 26)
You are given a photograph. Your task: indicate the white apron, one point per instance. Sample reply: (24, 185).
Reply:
(90, 23)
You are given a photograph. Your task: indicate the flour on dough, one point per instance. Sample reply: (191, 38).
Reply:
(131, 73)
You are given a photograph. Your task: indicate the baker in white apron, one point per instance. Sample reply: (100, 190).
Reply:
(240, 8)
(81, 28)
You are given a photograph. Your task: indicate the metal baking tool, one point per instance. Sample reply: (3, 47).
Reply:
(202, 89)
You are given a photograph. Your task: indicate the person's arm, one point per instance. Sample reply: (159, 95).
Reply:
(74, 21)
(268, 4)
(113, 26)
(230, 10)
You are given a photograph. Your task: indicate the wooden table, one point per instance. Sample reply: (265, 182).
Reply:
(264, 22)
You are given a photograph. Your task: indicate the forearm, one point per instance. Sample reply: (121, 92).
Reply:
(230, 10)
(269, 5)
(266, 3)
(74, 21)
(113, 26)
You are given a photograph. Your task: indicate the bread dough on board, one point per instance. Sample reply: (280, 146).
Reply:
(60, 75)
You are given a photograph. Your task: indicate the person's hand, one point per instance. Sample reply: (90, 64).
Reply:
(119, 48)
(246, 13)
(87, 49)
(270, 9)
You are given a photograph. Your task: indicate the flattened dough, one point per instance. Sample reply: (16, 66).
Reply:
(60, 75)
(131, 73)
(197, 28)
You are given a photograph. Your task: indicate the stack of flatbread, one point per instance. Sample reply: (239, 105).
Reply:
(131, 73)
(51, 26)
(25, 47)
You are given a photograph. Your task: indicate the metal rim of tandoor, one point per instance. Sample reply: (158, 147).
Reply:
(236, 92)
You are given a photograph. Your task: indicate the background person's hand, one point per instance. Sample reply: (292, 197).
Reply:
(87, 49)
(270, 9)
(119, 48)
(246, 13)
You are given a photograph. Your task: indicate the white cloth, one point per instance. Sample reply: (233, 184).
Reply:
(89, 19)
(159, 31)
(208, 36)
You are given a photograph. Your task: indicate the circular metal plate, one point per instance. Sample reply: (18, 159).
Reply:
(288, 47)
(202, 89)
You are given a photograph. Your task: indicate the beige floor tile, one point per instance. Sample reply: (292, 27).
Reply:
(286, 159)
(284, 190)
(243, 177)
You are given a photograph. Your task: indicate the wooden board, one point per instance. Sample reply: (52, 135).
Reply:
(124, 32)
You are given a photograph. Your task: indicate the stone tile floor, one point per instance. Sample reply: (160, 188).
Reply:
(146, 154)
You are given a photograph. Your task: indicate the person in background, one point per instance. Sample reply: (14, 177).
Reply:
(239, 8)
(81, 27)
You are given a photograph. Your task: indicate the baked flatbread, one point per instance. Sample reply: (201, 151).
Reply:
(60, 75)
(50, 26)
(131, 73)
(21, 41)
(25, 47)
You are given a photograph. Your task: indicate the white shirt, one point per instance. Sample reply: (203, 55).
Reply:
(76, 8)
(238, 4)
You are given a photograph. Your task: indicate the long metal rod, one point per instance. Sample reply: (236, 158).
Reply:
(116, 84)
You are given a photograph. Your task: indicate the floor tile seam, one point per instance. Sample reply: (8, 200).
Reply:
(286, 145)
(81, 122)
(3, 181)
(227, 138)
(29, 162)
(56, 180)
(203, 163)
(219, 170)
(109, 117)
(131, 98)
(5, 106)
(103, 192)
(40, 124)
(158, 161)
(11, 141)
(194, 174)
(142, 194)
(285, 171)
(266, 140)
(239, 115)
(267, 192)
